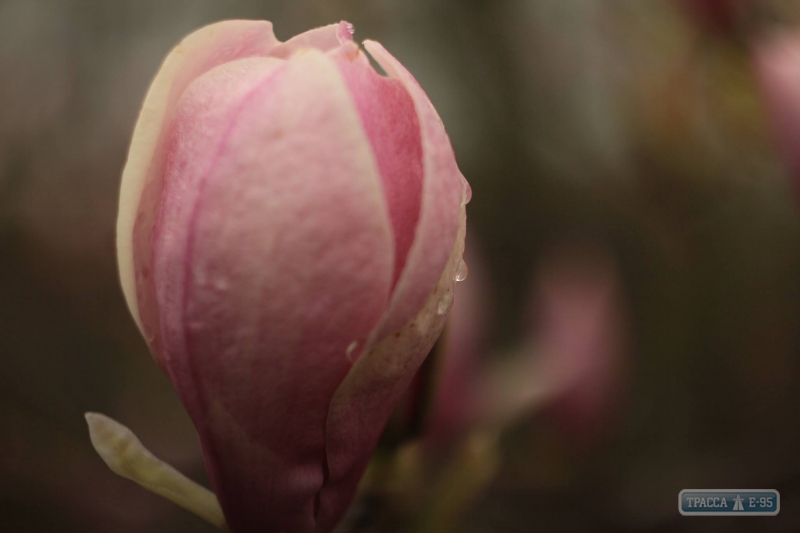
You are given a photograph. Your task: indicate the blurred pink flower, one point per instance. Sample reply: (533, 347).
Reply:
(290, 227)
(777, 64)
(580, 333)
(715, 15)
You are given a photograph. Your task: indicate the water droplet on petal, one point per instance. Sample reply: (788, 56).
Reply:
(349, 353)
(345, 32)
(462, 271)
(468, 190)
(445, 303)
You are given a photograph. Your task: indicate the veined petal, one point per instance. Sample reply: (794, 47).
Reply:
(204, 117)
(141, 180)
(287, 259)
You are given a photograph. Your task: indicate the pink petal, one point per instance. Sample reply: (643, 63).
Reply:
(420, 302)
(203, 118)
(443, 192)
(141, 180)
(390, 120)
(287, 259)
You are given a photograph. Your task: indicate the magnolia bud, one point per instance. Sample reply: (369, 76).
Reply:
(290, 227)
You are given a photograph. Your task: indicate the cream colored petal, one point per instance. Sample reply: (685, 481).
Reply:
(122, 451)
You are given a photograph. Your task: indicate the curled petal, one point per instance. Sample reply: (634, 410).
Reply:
(323, 39)
(363, 403)
(443, 194)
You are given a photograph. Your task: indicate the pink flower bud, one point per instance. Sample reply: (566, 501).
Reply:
(777, 65)
(290, 227)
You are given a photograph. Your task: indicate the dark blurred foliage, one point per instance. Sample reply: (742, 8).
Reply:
(617, 124)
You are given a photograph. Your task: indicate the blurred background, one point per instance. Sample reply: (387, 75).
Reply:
(632, 232)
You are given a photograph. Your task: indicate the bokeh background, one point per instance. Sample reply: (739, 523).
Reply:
(619, 142)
